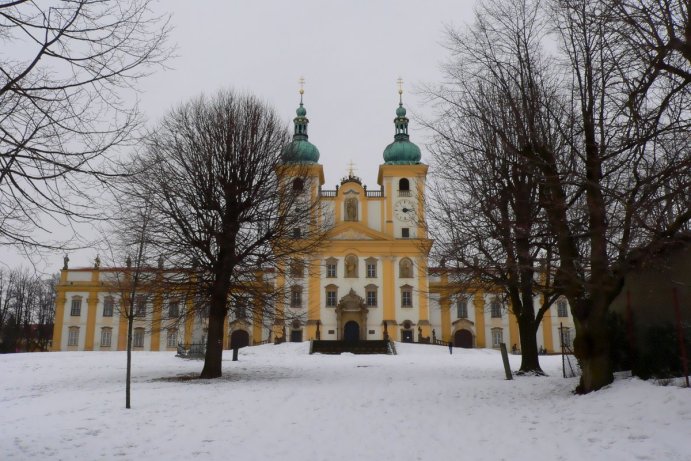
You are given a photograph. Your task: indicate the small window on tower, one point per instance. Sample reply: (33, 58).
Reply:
(405, 232)
(404, 187)
(298, 185)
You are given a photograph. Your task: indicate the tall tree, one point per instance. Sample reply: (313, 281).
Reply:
(486, 215)
(632, 185)
(218, 204)
(67, 72)
(613, 181)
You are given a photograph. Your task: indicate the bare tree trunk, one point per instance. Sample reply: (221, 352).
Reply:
(592, 347)
(130, 327)
(213, 360)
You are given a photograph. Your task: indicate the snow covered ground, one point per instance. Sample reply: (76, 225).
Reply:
(280, 403)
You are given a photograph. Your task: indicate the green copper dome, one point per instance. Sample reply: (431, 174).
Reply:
(300, 150)
(401, 151)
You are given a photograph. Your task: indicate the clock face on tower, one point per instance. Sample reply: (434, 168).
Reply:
(404, 210)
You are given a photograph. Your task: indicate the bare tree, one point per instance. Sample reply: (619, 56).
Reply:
(27, 310)
(67, 73)
(219, 207)
(612, 190)
(486, 215)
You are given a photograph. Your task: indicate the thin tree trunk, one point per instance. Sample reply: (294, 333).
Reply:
(130, 328)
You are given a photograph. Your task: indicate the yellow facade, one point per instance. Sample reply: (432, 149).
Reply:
(369, 280)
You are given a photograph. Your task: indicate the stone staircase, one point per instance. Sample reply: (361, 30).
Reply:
(354, 347)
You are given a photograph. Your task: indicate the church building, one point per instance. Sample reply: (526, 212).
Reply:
(369, 281)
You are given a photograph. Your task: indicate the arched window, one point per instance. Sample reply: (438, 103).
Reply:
(172, 338)
(73, 336)
(106, 336)
(76, 307)
(296, 296)
(495, 309)
(351, 266)
(405, 268)
(138, 338)
(497, 337)
(371, 295)
(462, 307)
(297, 268)
(331, 264)
(562, 308)
(298, 185)
(406, 296)
(331, 295)
(371, 268)
(173, 308)
(404, 187)
(108, 303)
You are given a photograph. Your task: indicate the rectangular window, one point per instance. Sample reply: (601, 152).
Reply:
(296, 233)
(173, 308)
(497, 337)
(73, 336)
(76, 308)
(108, 306)
(297, 268)
(331, 270)
(372, 270)
(406, 298)
(331, 298)
(372, 298)
(241, 310)
(462, 308)
(138, 338)
(140, 306)
(296, 297)
(562, 310)
(496, 310)
(172, 338)
(405, 233)
(106, 335)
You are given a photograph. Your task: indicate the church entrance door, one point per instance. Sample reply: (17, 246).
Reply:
(463, 338)
(239, 338)
(407, 336)
(351, 331)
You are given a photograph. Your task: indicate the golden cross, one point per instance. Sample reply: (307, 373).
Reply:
(351, 169)
(400, 85)
(302, 84)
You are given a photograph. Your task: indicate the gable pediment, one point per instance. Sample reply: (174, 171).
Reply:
(356, 231)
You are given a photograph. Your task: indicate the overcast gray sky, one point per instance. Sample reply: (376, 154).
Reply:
(350, 53)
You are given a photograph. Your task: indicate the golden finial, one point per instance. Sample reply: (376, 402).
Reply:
(302, 87)
(400, 90)
(351, 169)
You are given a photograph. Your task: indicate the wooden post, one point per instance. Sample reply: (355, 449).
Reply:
(505, 359)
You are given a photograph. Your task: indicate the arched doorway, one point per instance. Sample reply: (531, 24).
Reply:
(463, 338)
(351, 331)
(239, 338)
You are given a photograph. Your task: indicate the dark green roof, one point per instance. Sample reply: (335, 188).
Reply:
(401, 151)
(300, 150)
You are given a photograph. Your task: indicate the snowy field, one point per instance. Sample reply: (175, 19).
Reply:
(279, 403)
